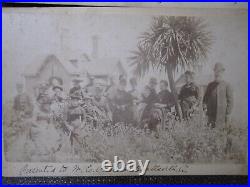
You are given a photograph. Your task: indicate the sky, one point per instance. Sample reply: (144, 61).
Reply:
(30, 34)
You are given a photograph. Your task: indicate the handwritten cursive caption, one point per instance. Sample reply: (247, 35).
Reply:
(30, 169)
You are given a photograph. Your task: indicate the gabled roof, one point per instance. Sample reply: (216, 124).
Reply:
(35, 67)
(104, 66)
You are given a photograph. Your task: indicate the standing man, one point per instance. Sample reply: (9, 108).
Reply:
(22, 103)
(218, 99)
(189, 95)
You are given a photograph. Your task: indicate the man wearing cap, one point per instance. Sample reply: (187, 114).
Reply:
(189, 95)
(218, 99)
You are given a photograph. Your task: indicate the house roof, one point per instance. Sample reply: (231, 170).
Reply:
(99, 66)
(104, 66)
(35, 67)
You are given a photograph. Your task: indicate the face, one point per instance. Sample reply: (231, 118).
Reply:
(46, 107)
(123, 84)
(152, 85)
(98, 92)
(76, 84)
(163, 86)
(57, 91)
(218, 75)
(188, 79)
(19, 89)
(146, 92)
(133, 84)
(74, 102)
(55, 82)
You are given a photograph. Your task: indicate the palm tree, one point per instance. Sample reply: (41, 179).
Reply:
(172, 44)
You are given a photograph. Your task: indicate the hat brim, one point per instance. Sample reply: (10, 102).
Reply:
(219, 70)
(57, 87)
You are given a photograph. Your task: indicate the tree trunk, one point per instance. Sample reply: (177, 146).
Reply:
(173, 90)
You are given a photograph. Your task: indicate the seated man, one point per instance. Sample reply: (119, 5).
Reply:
(165, 97)
(189, 95)
(149, 97)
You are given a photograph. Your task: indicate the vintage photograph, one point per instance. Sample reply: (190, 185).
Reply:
(82, 85)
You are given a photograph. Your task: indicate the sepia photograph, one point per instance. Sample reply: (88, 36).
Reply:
(153, 91)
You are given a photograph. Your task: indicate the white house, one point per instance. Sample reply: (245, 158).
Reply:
(43, 69)
(69, 67)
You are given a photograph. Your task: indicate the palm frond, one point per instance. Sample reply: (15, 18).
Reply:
(178, 42)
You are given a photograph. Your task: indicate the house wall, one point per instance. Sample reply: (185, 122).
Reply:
(50, 69)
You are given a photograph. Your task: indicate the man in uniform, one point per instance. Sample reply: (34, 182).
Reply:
(189, 95)
(218, 99)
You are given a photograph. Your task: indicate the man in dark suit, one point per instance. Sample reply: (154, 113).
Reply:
(218, 99)
(22, 102)
(189, 95)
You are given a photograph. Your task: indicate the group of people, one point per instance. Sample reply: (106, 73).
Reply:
(60, 113)
(116, 103)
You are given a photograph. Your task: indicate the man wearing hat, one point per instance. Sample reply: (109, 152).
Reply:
(218, 99)
(58, 93)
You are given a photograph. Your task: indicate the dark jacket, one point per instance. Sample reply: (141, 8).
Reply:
(166, 97)
(219, 101)
(189, 97)
(150, 101)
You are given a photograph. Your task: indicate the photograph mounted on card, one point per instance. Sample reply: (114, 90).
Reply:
(124, 91)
